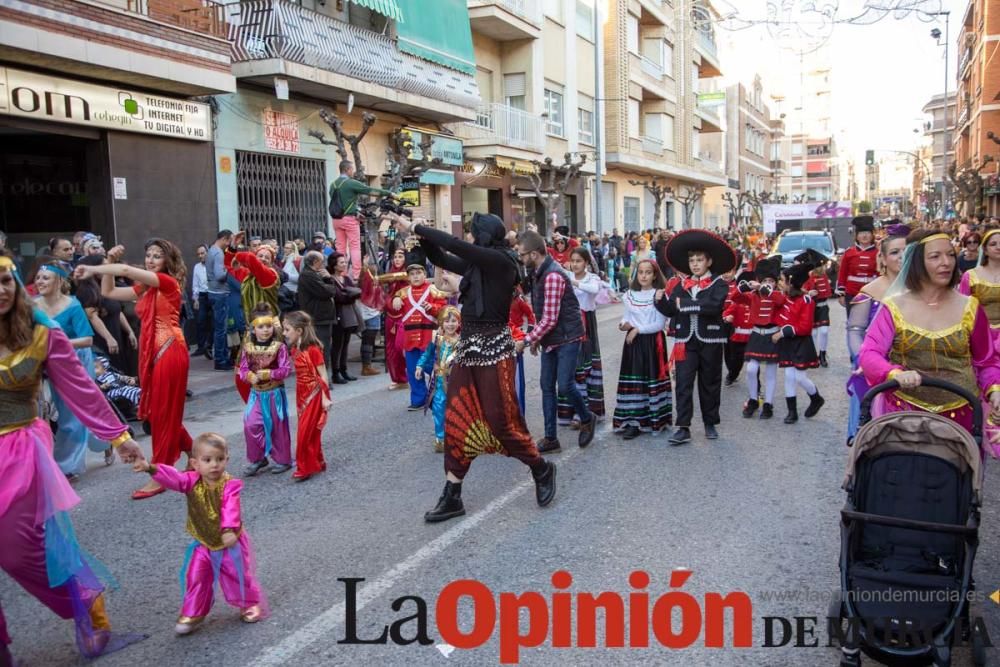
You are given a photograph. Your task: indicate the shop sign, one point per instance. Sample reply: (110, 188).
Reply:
(773, 213)
(281, 131)
(42, 97)
(437, 177)
(448, 149)
(711, 100)
(409, 192)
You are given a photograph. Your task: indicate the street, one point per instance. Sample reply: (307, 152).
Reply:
(756, 511)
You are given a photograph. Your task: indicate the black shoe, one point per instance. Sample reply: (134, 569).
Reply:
(336, 379)
(254, 468)
(822, 360)
(710, 432)
(680, 436)
(545, 484)
(766, 411)
(815, 403)
(224, 367)
(750, 408)
(208, 354)
(199, 352)
(547, 446)
(349, 378)
(449, 504)
(409, 408)
(280, 468)
(793, 410)
(587, 431)
(730, 380)
(631, 432)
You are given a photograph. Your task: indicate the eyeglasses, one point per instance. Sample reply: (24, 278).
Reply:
(525, 254)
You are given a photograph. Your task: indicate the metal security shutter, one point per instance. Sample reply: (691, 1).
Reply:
(608, 221)
(280, 196)
(631, 214)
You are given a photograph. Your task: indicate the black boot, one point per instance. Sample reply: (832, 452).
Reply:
(815, 403)
(822, 359)
(449, 505)
(766, 411)
(793, 410)
(545, 483)
(750, 408)
(349, 378)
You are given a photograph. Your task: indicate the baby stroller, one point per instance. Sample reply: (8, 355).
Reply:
(909, 533)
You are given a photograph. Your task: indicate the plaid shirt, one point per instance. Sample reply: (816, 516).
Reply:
(554, 286)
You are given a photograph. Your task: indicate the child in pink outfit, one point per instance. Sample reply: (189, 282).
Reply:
(221, 549)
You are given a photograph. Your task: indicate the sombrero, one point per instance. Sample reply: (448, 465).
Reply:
(699, 240)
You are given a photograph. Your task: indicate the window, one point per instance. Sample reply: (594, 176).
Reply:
(554, 108)
(585, 119)
(668, 132)
(631, 214)
(584, 21)
(796, 171)
(695, 142)
(554, 9)
(796, 149)
(514, 90)
(694, 79)
(632, 28)
(633, 118)
(668, 59)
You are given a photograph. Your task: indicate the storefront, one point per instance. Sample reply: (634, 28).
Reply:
(122, 163)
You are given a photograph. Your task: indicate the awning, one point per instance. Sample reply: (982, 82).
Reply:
(519, 167)
(442, 36)
(387, 8)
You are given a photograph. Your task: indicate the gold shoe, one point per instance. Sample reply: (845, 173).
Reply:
(251, 614)
(98, 615)
(438, 445)
(188, 624)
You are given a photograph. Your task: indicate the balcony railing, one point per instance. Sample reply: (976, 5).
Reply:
(707, 42)
(279, 29)
(652, 145)
(777, 165)
(963, 116)
(651, 67)
(505, 126)
(966, 57)
(203, 16)
(529, 10)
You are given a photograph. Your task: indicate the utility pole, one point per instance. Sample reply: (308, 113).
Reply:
(598, 120)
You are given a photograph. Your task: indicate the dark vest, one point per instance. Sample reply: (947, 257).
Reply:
(569, 327)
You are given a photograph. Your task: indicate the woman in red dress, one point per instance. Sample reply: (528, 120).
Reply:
(163, 355)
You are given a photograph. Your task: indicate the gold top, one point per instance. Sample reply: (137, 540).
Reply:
(988, 295)
(205, 513)
(391, 277)
(935, 237)
(20, 378)
(943, 353)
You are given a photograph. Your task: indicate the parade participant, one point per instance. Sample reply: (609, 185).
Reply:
(644, 395)
(163, 353)
(117, 387)
(557, 333)
(589, 370)
(221, 551)
(763, 302)
(40, 551)
(737, 315)
(435, 363)
(371, 303)
(259, 283)
(926, 328)
(642, 251)
(420, 302)
(865, 306)
(72, 440)
(819, 290)
(312, 394)
(560, 250)
(859, 265)
(796, 351)
(521, 316)
(264, 365)
(395, 279)
(482, 414)
(695, 307)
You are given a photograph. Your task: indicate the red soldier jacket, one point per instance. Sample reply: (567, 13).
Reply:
(822, 286)
(858, 267)
(740, 313)
(796, 316)
(421, 306)
(763, 305)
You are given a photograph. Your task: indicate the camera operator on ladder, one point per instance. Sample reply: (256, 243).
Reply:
(344, 193)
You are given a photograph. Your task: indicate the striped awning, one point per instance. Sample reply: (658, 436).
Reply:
(387, 8)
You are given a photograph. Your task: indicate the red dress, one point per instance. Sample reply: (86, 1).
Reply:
(163, 368)
(310, 389)
(395, 361)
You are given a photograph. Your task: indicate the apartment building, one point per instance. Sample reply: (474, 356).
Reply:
(978, 97)
(661, 62)
(781, 158)
(940, 135)
(103, 125)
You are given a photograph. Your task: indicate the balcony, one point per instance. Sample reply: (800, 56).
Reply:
(705, 46)
(964, 62)
(327, 59)
(710, 121)
(650, 76)
(501, 125)
(652, 145)
(778, 165)
(506, 20)
(651, 67)
(175, 46)
(963, 118)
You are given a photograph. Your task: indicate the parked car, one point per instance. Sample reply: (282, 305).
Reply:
(792, 243)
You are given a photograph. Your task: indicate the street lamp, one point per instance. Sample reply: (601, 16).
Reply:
(936, 35)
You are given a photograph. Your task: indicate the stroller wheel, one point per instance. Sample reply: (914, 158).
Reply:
(942, 656)
(836, 608)
(850, 660)
(146, 428)
(978, 648)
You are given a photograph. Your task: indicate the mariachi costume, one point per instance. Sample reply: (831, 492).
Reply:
(39, 547)
(859, 265)
(265, 420)
(310, 390)
(763, 306)
(695, 307)
(796, 351)
(644, 401)
(212, 510)
(589, 369)
(421, 305)
(818, 282)
(436, 365)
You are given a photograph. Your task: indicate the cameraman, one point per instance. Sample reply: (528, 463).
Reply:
(347, 228)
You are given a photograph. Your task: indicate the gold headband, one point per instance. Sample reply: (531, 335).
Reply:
(7, 264)
(935, 237)
(265, 319)
(988, 234)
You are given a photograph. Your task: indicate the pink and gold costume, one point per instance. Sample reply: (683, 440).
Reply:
(211, 511)
(38, 547)
(265, 420)
(988, 295)
(962, 354)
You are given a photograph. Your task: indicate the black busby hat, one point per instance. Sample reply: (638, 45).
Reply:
(416, 257)
(863, 223)
(798, 274)
(812, 258)
(746, 276)
(769, 267)
(700, 240)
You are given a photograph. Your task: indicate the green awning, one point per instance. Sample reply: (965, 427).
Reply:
(442, 35)
(387, 8)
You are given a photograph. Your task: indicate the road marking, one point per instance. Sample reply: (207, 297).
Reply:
(327, 621)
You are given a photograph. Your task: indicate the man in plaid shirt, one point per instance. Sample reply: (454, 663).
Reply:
(558, 332)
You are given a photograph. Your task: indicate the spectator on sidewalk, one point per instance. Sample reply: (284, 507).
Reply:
(201, 304)
(218, 296)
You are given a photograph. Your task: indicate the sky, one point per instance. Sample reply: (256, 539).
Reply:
(883, 73)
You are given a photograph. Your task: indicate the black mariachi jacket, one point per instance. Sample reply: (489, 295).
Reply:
(698, 317)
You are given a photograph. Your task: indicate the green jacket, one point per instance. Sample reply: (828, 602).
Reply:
(350, 189)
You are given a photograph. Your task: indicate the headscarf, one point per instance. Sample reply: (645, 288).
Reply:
(488, 231)
(40, 317)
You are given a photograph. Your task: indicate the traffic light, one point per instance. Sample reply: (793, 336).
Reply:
(869, 158)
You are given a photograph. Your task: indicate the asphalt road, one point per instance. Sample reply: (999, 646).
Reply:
(756, 511)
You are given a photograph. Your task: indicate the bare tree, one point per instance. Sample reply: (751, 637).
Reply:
(341, 138)
(757, 200)
(399, 162)
(690, 195)
(551, 182)
(738, 204)
(968, 184)
(660, 192)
